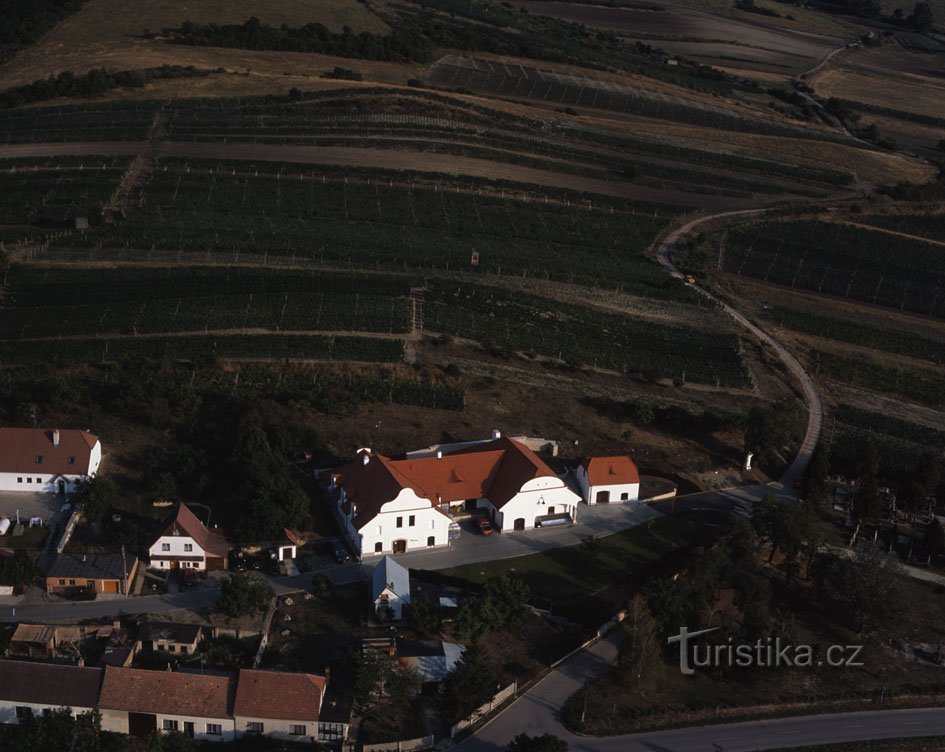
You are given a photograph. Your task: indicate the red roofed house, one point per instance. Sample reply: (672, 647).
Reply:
(50, 461)
(609, 479)
(138, 702)
(391, 506)
(279, 705)
(184, 542)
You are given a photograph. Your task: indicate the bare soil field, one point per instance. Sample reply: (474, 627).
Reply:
(908, 92)
(700, 35)
(260, 71)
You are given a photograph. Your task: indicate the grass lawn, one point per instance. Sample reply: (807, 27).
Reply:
(569, 580)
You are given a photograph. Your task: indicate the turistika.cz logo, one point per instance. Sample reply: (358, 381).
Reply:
(769, 652)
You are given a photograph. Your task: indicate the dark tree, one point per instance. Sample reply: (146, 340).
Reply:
(241, 595)
(921, 18)
(543, 743)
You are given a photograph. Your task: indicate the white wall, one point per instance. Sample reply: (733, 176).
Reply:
(8, 710)
(395, 601)
(276, 728)
(42, 482)
(177, 545)
(616, 490)
(383, 527)
(117, 721)
(534, 500)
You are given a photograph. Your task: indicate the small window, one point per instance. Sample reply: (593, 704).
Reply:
(171, 649)
(90, 583)
(431, 541)
(39, 459)
(29, 480)
(22, 711)
(254, 727)
(170, 725)
(412, 520)
(624, 496)
(165, 546)
(297, 730)
(432, 524)
(188, 546)
(214, 729)
(378, 547)
(380, 529)
(72, 582)
(400, 522)
(62, 582)
(39, 480)
(19, 480)
(71, 460)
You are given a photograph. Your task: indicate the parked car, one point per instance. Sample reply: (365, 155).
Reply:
(485, 527)
(238, 562)
(340, 552)
(188, 578)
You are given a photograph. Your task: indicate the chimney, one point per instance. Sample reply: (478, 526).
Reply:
(496, 434)
(439, 454)
(83, 558)
(327, 673)
(55, 437)
(365, 458)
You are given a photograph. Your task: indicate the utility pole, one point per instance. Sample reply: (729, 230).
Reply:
(124, 570)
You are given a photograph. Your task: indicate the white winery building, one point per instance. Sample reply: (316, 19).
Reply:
(47, 460)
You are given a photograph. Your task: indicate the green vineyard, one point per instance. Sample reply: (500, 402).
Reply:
(842, 260)
(585, 336)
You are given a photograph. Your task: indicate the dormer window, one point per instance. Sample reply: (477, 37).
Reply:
(71, 460)
(39, 459)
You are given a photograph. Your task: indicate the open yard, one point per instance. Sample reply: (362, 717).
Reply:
(591, 587)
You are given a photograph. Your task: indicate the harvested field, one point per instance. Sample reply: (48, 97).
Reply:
(921, 95)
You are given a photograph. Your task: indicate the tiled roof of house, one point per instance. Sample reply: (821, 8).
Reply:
(49, 684)
(20, 448)
(611, 471)
(495, 469)
(279, 695)
(168, 692)
(92, 566)
(181, 521)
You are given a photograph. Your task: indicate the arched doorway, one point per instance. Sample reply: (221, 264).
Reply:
(519, 524)
(400, 546)
(603, 497)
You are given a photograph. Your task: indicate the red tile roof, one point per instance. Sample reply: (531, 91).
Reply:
(19, 448)
(496, 470)
(611, 471)
(184, 522)
(167, 692)
(279, 695)
(49, 684)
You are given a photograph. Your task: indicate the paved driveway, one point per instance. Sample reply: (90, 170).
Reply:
(30, 505)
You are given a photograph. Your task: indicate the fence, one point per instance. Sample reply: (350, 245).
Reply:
(70, 526)
(408, 745)
(264, 639)
(501, 696)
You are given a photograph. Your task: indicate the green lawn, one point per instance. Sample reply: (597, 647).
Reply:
(568, 577)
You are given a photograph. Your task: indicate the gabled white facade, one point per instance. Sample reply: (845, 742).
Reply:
(186, 551)
(537, 498)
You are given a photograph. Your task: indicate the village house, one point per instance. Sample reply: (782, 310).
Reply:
(390, 589)
(97, 573)
(391, 506)
(185, 542)
(47, 461)
(170, 637)
(278, 704)
(139, 702)
(606, 480)
(27, 689)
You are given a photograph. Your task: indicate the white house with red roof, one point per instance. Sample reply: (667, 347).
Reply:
(47, 460)
(606, 480)
(392, 506)
(185, 542)
(279, 705)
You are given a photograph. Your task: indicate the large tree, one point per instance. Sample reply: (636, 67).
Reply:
(242, 595)
(544, 743)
